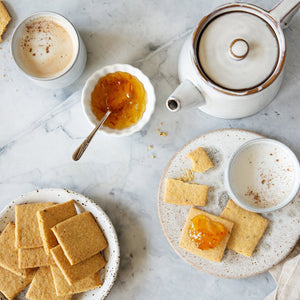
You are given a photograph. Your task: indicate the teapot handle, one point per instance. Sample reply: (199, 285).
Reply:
(186, 95)
(284, 11)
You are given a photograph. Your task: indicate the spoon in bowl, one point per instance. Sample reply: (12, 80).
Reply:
(80, 150)
(112, 105)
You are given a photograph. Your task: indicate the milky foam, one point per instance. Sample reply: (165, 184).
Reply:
(45, 47)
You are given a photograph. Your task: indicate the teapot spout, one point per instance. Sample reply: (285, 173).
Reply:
(173, 104)
(185, 96)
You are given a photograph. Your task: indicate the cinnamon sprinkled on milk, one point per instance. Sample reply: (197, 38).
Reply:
(263, 175)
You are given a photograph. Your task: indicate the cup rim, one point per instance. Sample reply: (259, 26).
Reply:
(258, 12)
(247, 206)
(89, 87)
(74, 32)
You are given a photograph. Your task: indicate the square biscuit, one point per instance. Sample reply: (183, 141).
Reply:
(183, 193)
(34, 257)
(27, 226)
(74, 273)
(248, 229)
(201, 161)
(214, 254)
(11, 284)
(42, 286)
(4, 19)
(63, 288)
(51, 216)
(8, 252)
(80, 237)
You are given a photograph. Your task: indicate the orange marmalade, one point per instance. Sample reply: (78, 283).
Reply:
(206, 233)
(124, 95)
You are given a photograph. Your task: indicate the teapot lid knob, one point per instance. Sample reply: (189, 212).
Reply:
(238, 49)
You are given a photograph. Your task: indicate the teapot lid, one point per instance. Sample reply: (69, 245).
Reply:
(238, 50)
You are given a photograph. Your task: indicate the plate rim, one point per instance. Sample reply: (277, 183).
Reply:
(18, 200)
(160, 218)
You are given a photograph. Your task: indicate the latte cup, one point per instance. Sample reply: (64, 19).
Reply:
(49, 50)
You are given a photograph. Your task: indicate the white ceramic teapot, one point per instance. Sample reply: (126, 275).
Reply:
(232, 64)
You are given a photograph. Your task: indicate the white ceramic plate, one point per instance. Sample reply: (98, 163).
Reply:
(93, 80)
(281, 234)
(111, 253)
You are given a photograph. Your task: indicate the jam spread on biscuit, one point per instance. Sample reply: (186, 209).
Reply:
(206, 233)
(124, 95)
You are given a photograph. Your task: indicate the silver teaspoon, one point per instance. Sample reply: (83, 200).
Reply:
(80, 150)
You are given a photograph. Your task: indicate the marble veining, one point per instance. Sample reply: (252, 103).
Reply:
(41, 128)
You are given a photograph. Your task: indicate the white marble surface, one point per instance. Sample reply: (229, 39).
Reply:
(41, 128)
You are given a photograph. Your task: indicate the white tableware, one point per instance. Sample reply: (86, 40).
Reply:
(111, 253)
(93, 80)
(79, 55)
(283, 230)
(232, 65)
(263, 175)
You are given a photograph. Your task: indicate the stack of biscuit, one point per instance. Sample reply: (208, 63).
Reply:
(245, 228)
(52, 247)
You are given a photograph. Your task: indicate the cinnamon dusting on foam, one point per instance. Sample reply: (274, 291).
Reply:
(46, 48)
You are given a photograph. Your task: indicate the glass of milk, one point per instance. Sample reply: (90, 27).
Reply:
(263, 175)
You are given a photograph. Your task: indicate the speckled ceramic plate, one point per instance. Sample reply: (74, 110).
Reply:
(282, 232)
(111, 253)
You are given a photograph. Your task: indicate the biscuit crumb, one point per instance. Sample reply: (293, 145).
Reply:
(162, 133)
(153, 156)
(150, 146)
(187, 176)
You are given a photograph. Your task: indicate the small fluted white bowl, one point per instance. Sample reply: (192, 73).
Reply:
(93, 80)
